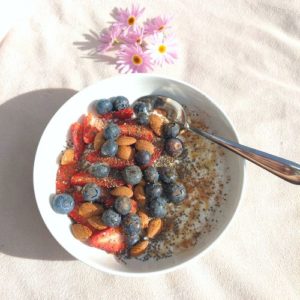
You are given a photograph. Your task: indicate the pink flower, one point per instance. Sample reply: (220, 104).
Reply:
(128, 17)
(158, 24)
(108, 38)
(162, 49)
(134, 35)
(132, 59)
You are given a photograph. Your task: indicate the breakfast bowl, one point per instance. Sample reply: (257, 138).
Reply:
(213, 177)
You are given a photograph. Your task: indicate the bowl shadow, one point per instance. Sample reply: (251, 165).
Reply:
(22, 121)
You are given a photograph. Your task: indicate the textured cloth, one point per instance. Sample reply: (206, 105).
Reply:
(243, 54)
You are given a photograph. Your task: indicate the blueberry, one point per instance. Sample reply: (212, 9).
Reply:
(120, 102)
(142, 118)
(153, 190)
(151, 174)
(111, 218)
(148, 101)
(171, 130)
(109, 148)
(132, 224)
(62, 203)
(112, 131)
(122, 205)
(142, 157)
(175, 192)
(91, 192)
(141, 107)
(132, 175)
(157, 207)
(132, 239)
(173, 147)
(103, 106)
(99, 170)
(167, 174)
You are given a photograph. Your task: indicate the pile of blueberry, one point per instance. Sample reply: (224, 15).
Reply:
(161, 188)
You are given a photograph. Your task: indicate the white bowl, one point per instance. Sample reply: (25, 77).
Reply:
(133, 86)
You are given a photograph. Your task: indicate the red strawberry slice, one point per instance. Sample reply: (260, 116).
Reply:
(89, 131)
(122, 114)
(77, 139)
(113, 162)
(137, 131)
(78, 197)
(63, 177)
(91, 126)
(82, 178)
(108, 202)
(129, 121)
(110, 240)
(134, 207)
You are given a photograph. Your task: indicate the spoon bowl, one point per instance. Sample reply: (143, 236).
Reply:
(283, 168)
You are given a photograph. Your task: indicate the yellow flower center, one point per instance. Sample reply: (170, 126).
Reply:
(131, 20)
(137, 60)
(161, 28)
(162, 49)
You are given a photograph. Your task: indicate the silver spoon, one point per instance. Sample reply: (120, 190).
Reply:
(285, 169)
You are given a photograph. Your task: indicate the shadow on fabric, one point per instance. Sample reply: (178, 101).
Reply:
(89, 46)
(22, 121)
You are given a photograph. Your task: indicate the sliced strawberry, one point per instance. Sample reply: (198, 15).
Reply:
(108, 202)
(77, 139)
(91, 126)
(110, 240)
(122, 114)
(113, 162)
(129, 121)
(134, 207)
(89, 130)
(82, 178)
(63, 177)
(78, 197)
(137, 131)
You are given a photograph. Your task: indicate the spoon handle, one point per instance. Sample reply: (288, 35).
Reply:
(283, 168)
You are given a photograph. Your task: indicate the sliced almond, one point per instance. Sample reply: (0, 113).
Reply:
(154, 227)
(68, 157)
(139, 195)
(144, 219)
(141, 145)
(81, 232)
(161, 111)
(122, 191)
(125, 152)
(156, 123)
(89, 209)
(96, 222)
(99, 140)
(139, 248)
(126, 141)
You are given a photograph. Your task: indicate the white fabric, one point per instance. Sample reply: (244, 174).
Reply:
(245, 55)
